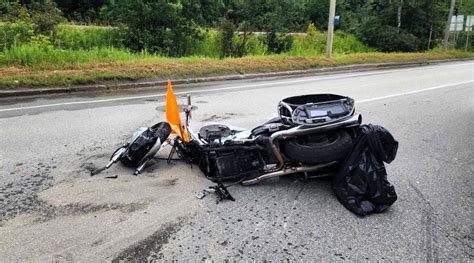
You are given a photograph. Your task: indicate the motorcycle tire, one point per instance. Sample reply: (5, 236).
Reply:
(317, 149)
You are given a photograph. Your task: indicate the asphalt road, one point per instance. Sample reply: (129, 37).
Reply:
(51, 207)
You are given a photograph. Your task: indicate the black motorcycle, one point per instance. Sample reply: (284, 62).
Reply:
(311, 135)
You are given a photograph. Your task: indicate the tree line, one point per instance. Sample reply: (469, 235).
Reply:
(169, 26)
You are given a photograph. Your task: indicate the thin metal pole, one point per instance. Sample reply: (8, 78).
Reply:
(429, 39)
(467, 40)
(332, 13)
(450, 17)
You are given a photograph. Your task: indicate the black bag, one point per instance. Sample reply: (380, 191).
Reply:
(361, 183)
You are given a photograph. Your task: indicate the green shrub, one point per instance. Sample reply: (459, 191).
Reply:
(390, 39)
(13, 12)
(314, 43)
(15, 34)
(226, 38)
(460, 42)
(45, 16)
(159, 26)
(347, 44)
(279, 43)
(255, 45)
(208, 45)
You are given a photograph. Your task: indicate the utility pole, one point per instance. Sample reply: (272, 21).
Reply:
(450, 17)
(332, 13)
(399, 16)
(429, 38)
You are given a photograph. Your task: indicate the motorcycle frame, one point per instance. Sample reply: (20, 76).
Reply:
(353, 120)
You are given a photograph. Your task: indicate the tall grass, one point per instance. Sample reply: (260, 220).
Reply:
(315, 44)
(39, 56)
(86, 37)
(209, 45)
(72, 45)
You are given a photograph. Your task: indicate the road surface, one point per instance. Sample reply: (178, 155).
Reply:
(51, 207)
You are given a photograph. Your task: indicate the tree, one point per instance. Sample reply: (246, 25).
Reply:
(81, 10)
(45, 15)
(159, 26)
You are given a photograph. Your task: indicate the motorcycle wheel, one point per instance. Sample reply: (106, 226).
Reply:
(318, 148)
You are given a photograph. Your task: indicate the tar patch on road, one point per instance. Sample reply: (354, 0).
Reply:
(45, 212)
(19, 194)
(150, 247)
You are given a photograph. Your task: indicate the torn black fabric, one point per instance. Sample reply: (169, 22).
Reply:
(361, 183)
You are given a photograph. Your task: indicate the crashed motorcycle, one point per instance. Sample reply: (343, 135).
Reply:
(313, 136)
(310, 136)
(142, 147)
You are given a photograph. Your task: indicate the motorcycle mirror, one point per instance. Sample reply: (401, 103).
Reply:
(187, 107)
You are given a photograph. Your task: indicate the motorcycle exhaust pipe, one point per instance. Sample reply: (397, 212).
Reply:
(350, 121)
(287, 171)
(116, 156)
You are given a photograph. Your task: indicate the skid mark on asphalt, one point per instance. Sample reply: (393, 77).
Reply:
(429, 221)
(431, 239)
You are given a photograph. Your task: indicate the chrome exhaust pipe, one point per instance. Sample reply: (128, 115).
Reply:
(350, 121)
(287, 171)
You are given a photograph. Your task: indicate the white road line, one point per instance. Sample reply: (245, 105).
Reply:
(415, 91)
(218, 89)
(191, 91)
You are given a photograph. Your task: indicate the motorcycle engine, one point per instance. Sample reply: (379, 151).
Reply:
(236, 164)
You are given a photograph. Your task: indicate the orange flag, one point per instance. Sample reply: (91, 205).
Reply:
(172, 114)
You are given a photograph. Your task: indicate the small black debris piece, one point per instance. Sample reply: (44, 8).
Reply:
(222, 193)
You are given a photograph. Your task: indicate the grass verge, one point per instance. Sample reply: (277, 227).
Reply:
(141, 66)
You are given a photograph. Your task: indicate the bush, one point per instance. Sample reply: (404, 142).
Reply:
(314, 43)
(460, 42)
(388, 39)
(279, 43)
(13, 12)
(208, 46)
(347, 44)
(46, 16)
(156, 26)
(226, 38)
(255, 45)
(15, 34)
